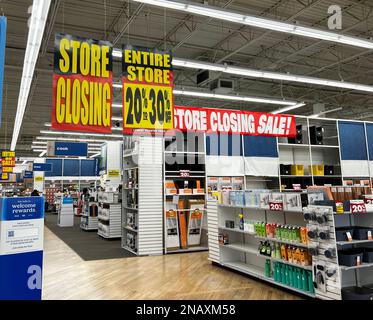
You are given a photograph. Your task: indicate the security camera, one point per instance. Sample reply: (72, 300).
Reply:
(117, 124)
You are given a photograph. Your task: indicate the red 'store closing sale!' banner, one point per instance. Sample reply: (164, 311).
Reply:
(234, 122)
(82, 84)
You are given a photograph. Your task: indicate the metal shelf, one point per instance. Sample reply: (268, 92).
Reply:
(296, 244)
(258, 273)
(237, 230)
(240, 247)
(343, 243)
(363, 265)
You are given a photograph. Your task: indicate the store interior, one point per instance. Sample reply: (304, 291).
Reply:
(189, 151)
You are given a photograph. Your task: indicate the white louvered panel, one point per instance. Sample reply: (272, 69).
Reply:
(212, 218)
(150, 213)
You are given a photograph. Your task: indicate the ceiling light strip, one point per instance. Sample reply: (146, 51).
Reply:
(274, 25)
(38, 20)
(245, 72)
(282, 110)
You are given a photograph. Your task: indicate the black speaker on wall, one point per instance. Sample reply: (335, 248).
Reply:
(316, 135)
(298, 137)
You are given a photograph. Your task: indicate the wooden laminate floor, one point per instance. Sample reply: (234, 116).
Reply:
(176, 276)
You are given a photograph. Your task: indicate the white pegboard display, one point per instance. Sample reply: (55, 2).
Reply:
(142, 220)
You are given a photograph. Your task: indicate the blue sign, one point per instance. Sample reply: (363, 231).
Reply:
(21, 248)
(77, 149)
(28, 174)
(21, 208)
(21, 276)
(2, 59)
(67, 200)
(42, 167)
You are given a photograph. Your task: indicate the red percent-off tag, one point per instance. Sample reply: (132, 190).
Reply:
(276, 206)
(357, 207)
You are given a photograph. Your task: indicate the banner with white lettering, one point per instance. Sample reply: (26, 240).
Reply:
(233, 122)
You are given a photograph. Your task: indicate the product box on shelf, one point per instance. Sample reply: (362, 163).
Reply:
(185, 191)
(295, 201)
(225, 197)
(252, 198)
(212, 184)
(317, 169)
(277, 197)
(218, 196)
(225, 183)
(237, 183)
(265, 198)
(237, 198)
(297, 169)
(170, 187)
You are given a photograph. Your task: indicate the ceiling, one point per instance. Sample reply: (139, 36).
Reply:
(199, 38)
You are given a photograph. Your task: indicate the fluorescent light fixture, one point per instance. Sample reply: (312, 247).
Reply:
(38, 20)
(245, 72)
(44, 143)
(117, 85)
(117, 118)
(43, 153)
(72, 139)
(282, 110)
(117, 53)
(211, 95)
(116, 105)
(233, 97)
(64, 133)
(279, 26)
(316, 115)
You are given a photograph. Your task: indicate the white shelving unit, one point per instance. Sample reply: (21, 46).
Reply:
(109, 215)
(185, 220)
(142, 221)
(87, 221)
(241, 253)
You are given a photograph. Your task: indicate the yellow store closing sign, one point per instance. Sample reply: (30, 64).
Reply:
(147, 80)
(113, 173)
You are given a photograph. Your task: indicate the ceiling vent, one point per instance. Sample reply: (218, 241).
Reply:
(222, 86)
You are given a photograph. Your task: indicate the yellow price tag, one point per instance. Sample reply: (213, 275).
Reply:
(147, 106)
(113, 173)
(4, 176)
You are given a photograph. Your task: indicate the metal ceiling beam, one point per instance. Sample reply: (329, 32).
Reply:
(49, 27)
(130, 20)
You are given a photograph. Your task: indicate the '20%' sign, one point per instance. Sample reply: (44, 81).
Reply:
(276, 206)
(148, 107)
(358, 207)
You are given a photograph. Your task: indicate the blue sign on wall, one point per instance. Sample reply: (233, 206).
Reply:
(28, 174)
(2, 59)
(42, 167)
(78, 149)
(21, 248)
